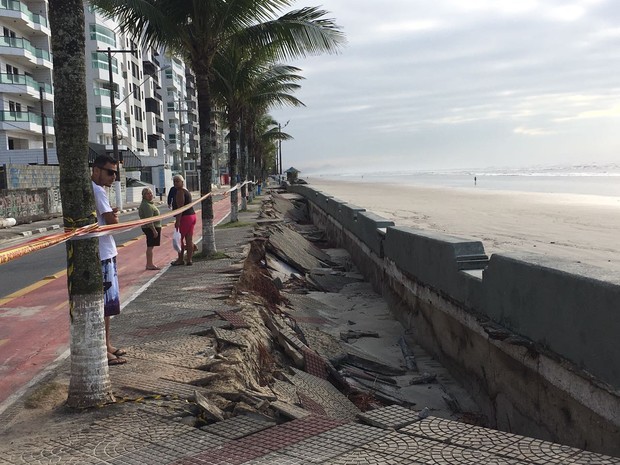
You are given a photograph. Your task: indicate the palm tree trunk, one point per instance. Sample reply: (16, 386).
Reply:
(243, 165)
(90, 384)
(233, 137)
(206, 158)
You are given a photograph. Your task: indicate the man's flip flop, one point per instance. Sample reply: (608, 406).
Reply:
(176, 263)
(119, 353)
(116, 361)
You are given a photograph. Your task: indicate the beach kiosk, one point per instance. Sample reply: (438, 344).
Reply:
(291, 175)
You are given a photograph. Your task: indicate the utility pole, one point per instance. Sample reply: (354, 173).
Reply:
(117, 156)
(43, 122)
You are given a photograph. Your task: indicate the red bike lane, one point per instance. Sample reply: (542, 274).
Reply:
(34, 322)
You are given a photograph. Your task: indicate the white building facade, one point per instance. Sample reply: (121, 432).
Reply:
(26, 94)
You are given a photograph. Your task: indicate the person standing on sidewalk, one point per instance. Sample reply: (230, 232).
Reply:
(185, 222)
(152, 231)
(103, 175)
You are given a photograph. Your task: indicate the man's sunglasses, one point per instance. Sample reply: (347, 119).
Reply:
(110, 172)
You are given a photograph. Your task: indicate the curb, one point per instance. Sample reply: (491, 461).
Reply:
(57, 226)
(39, 230)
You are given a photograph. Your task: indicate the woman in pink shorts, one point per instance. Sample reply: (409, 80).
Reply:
(185, 222)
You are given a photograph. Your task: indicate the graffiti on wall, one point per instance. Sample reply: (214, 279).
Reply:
(26, 205)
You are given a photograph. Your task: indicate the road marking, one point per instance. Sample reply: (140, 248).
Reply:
(32, 287)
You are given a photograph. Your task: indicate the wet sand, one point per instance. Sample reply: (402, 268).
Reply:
(577, 228)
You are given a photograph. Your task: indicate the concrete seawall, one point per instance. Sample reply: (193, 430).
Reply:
(534, 340)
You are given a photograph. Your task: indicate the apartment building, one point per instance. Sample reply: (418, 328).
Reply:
(25, 83)
(135, 74)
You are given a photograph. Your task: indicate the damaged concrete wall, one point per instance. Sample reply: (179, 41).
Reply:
(524, 337)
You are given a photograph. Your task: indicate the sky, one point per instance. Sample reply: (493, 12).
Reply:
(459, 84)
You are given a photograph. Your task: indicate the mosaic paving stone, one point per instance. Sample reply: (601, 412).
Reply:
(229, 454)
(451, 455)
(54, 456)
(354, 434)
(391, 417)
(285, 391)
(237, 427)
(290, 410)
(229, 337)
(234, 319)
(366, 457)
(314, 363)
(126, 383)
(335, 404)
(316, 450)
(290, 335)
(507, 445)
(186, 351)
(275, 459)
(166, 371)
(150, 454)
(403, 446)
(311, 425)
(540, 452)
(308, 404)
(590, 458)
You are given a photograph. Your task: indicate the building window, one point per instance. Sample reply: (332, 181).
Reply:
(100, 61)
(104, 115)
(102, 34)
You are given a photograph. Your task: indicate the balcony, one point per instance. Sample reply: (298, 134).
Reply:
(22, 84)
(25, 120)
(152, 106)
(23, 48)
(17, 10)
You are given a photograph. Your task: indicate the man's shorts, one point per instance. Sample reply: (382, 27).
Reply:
(111, 292)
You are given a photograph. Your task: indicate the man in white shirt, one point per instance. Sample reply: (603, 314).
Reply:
(104, 174)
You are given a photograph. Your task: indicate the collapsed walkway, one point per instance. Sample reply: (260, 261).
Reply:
(265, 356)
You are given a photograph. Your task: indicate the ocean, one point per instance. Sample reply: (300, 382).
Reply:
(601, 180)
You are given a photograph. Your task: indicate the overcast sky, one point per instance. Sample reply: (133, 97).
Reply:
(448, 84)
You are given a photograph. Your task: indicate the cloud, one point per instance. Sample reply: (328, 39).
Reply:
(453, 82)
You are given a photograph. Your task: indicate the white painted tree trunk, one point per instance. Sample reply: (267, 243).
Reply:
(208, 237)
(90, 383)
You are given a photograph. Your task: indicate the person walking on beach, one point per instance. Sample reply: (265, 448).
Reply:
(103, 175)
(152, 231)
(185, 222)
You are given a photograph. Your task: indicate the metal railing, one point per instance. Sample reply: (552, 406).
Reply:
(14, 42)
(24, 117)
(14, 5)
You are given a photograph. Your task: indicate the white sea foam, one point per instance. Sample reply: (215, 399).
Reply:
(586, 179)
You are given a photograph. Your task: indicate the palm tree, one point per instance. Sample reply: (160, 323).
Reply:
(245, 82)
(90, 384)
(198, 29)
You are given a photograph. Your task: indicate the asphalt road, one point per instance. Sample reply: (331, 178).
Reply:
(33, 267)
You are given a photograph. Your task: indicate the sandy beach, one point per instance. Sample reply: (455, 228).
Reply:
(577, 228)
